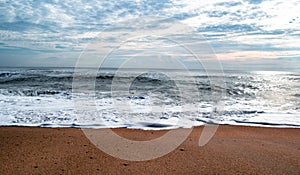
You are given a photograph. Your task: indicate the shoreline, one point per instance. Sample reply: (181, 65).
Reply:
(156, 126)
(232, 150)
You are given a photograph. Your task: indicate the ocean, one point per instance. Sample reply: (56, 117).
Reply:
(154, 99)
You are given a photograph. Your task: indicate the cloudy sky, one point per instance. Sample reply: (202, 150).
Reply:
(244, 34)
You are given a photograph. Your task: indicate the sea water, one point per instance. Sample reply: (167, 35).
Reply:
(149, 100)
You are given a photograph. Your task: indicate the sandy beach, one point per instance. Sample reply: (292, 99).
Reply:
(233, 150)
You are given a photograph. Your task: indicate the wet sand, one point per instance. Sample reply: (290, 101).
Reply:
(232, 150)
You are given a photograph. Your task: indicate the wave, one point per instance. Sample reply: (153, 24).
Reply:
(17, 77)
(33, 92)
(294, 79)
(35, 78)
(8, 74)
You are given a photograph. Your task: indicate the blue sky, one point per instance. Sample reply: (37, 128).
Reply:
(249, 33)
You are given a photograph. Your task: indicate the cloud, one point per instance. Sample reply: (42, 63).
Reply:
(259, 55)
(236, 29)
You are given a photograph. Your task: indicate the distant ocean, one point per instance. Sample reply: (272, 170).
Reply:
(44, 97)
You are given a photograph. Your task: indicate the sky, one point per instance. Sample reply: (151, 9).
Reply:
(251, 34)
